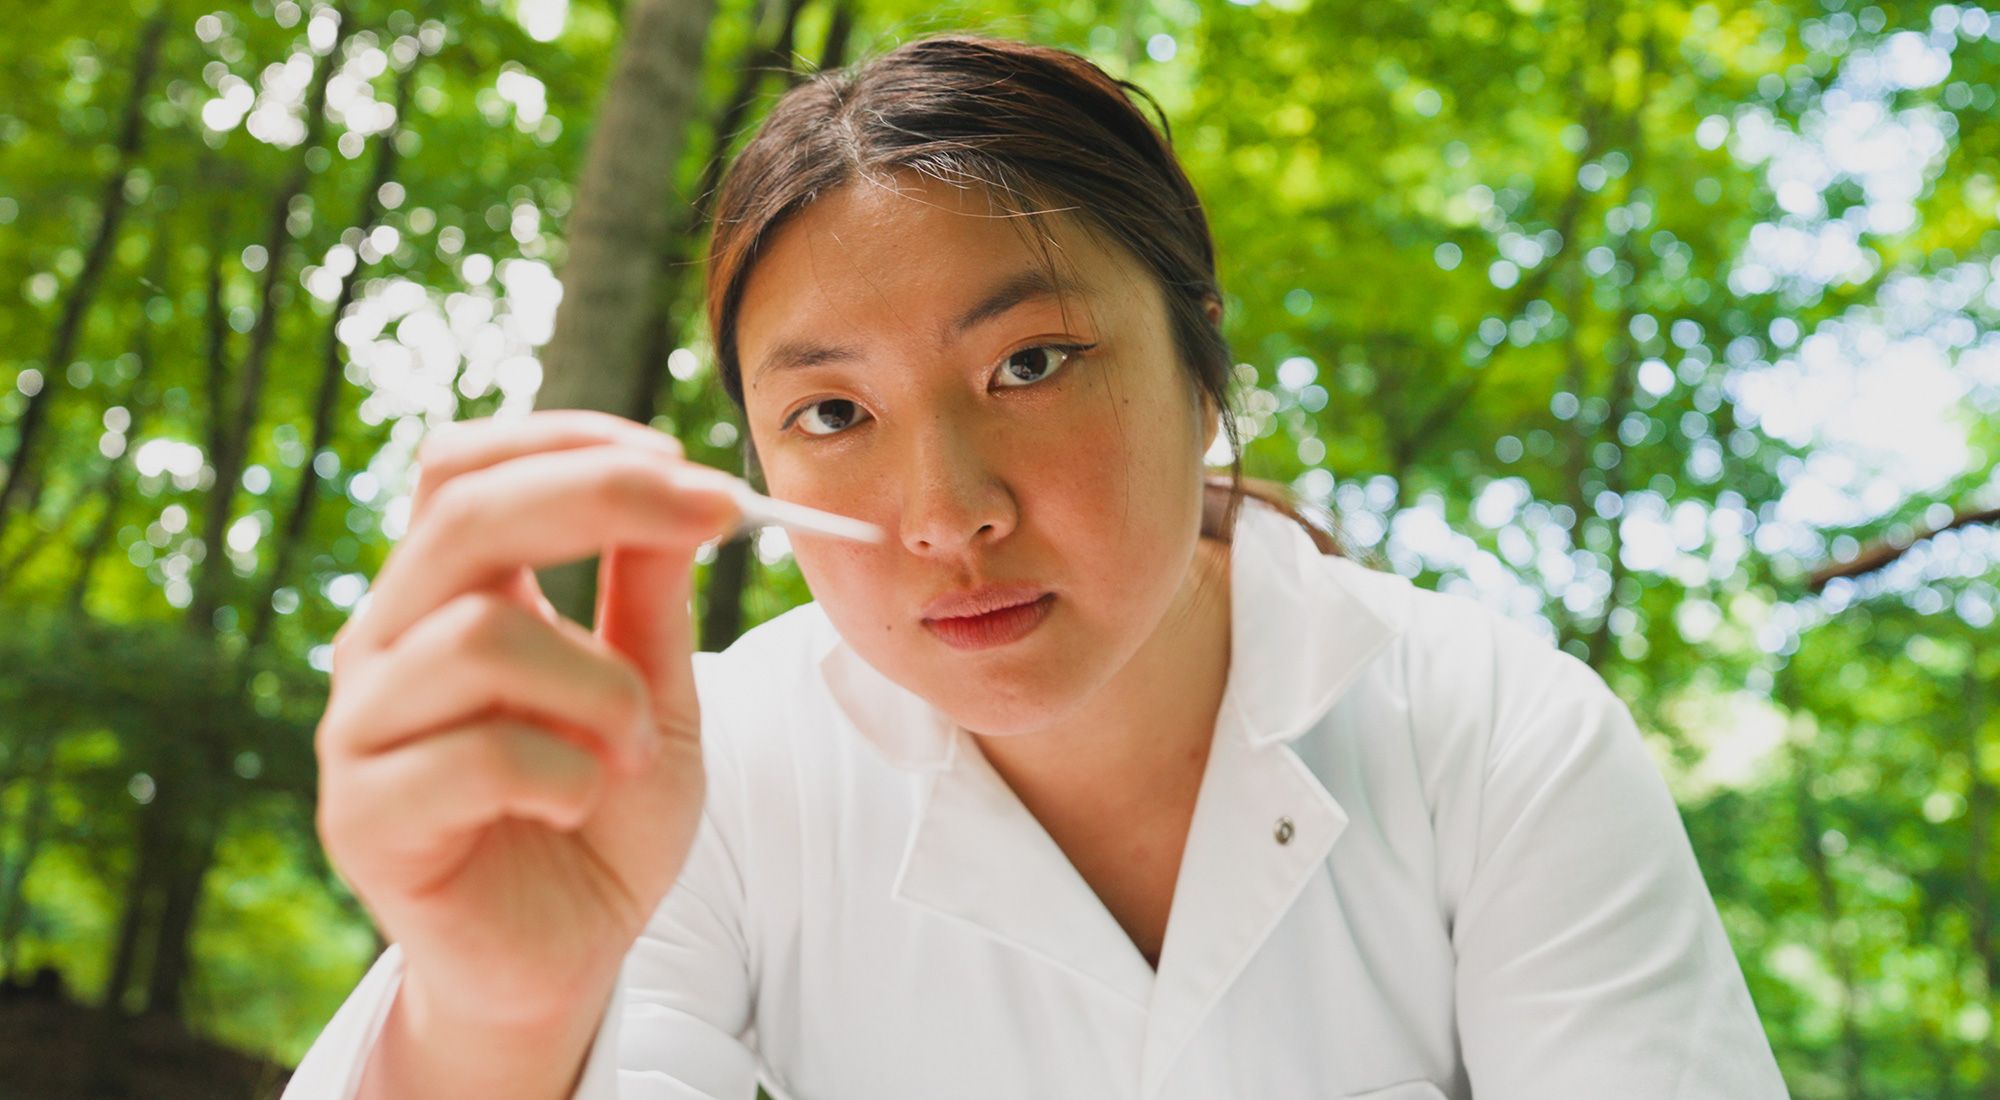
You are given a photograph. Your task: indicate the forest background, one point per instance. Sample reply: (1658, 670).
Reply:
(1668, 328)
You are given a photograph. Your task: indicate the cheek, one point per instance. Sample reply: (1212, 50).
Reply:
(1124, 436)
(856, 589)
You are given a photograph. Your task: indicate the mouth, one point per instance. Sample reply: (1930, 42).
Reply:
(996, 627)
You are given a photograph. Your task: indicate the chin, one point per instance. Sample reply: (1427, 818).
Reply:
(988, 721)
(998, 703)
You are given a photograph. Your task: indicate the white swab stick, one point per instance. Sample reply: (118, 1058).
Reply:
(759, 510)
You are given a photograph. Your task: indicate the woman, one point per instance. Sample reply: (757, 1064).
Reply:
(1095, 778)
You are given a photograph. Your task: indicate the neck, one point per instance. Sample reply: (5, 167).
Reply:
(1141, 743)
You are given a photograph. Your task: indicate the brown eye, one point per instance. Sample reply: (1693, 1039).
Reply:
(1031, 365)
(1023, 368)
(839, 415)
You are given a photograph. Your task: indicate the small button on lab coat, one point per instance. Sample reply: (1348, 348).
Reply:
(1430, 858)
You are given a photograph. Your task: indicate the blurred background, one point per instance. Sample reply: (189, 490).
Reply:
(1667, 327)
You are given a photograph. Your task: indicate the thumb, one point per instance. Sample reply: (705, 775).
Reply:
(645, 612)
(644, 598)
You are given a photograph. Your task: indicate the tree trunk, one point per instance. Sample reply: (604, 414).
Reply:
(722, 607)
(110, 485)
(617, 231)
(179, 906)
(839, 28)
(13, 905)
(163, 825)
(229, 435)
(678, 255)
(729, 575)
(113, 492)
(1851, 1056)
(1623, 367)
(187, 779)
(1979, 806)
(193, 794)
(111, 211)
(134, 949)
(1576, 381)
(141, 910)
(331, 383)
(1618, 403)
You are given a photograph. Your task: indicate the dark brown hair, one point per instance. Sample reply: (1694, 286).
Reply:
(1031, 125)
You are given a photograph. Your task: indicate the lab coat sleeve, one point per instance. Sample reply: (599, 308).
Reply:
(1591, 959)
(676, 1026)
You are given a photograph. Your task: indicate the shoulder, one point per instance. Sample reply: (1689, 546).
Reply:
(1468, 683)
(1482, 711)
(1461, 657)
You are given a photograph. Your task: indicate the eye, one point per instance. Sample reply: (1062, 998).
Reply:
(1035, 361)
(1026, 367)
(840, 412)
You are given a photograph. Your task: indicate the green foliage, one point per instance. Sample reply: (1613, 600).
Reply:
(1544, 298)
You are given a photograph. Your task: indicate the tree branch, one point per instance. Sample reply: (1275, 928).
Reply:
(1884, 552)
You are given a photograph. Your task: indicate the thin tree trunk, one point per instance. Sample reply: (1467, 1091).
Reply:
(110, 487)
(230, 435)
(193, 804)
(729, 577)
(1619, 402)
(839, 28)
(1623, 368)
(180, 904)
(677, 256)
(34, 825)
(134, 951)
(1852, 1055)
(111, 212)
(722, 599)
(1576, 381)
(617, 230)
(112, 490)
(151, 843)
(331, 383)
(1979, 807)
(1432, 422)
(141, 909)
(196, 828)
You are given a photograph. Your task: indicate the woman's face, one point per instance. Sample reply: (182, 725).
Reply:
(876, 388)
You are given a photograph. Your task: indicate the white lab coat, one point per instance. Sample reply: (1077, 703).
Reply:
(1430, 858)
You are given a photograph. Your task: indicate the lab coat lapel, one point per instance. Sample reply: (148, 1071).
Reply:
(977, 854)
(1302, 628)
(974, 851)
(1263, 826)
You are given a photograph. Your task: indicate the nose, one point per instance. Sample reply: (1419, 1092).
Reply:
(953, 497)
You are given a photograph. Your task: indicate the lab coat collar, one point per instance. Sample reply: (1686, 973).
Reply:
(1301, 628)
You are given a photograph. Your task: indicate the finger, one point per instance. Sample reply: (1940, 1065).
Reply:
(466, 445)
(417, 804)
(643, 612)
(539, 510)
(482, 653)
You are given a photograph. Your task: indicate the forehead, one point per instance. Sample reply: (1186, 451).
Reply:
(902, 252)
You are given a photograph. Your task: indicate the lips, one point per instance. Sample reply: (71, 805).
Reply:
(994, 628)
(985, 599)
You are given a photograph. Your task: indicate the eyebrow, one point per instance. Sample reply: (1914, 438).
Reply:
(1017, 289)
